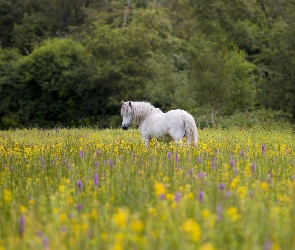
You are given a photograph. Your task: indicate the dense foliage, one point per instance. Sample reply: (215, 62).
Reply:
(71, 62)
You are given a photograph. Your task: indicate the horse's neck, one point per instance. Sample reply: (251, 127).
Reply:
(142, 112)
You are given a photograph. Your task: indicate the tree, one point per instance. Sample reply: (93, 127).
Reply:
(9, 89)
(220, 77)
(52, 77)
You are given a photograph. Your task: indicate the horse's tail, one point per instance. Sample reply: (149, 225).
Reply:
(191, 131)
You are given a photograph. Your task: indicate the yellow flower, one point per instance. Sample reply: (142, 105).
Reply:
(242, 191)
(263, 185)
(205, 213)
(22, 209)
(191, 227)
(233, 213)
(120, 218)
(152, 211)
(137, 226)
(93, 215)
(104, 236)
(159, 188)
(62, 188)
(206, 246)
(63, 218)
(7, 196)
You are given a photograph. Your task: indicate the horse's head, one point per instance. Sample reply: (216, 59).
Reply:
(127, 114)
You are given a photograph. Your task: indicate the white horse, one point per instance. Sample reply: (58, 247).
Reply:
(153, 123)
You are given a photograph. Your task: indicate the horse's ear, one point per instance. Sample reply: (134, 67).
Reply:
(122, 102)
(129, 103)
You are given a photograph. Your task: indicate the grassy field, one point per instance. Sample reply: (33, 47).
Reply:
(102, 189)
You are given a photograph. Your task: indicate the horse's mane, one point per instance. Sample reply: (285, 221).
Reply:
(141, 110)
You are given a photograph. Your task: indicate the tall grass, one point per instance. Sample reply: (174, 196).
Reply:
(102, 189)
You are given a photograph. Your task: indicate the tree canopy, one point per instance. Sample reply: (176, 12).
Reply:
(72, 62)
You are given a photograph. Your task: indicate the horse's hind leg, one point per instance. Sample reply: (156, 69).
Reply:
(177, 136)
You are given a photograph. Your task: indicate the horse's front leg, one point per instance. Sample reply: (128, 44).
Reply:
(146, 141)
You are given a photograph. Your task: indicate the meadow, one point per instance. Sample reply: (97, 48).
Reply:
(103, 189)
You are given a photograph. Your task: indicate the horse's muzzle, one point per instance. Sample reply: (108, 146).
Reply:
(124, 127)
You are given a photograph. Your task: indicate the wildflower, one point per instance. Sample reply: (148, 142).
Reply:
(22, 209)
(201, 175)
(177, 196)
(233, 214)
(221, 186)
(111, 163)
(191, 227)
(200, 159)
(159, 188)
(232, 163)
(137, 226)
(169, 155)
(191, 172)
(206, 246)
(45, 242)
(219, 212)
(120, 218)
(82, 154)
(93, 215)
(262, 149)
(96, 164)
(96, 179)
(80, 185)
(213, 163)
(176, 157)
(201, 196)
(79, 207)
(242, 153)
(7, 196)
(63, 218)
(21, 226)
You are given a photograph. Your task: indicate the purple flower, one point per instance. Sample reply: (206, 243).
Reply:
(177, 196)
(242, 153)
(200, 160)
(133, 155)
(253, 167)
(219, 212)
(111, 163)
(228, 194)
(267, 245)
(96, 164)
(201, 175)
(96, 179)
(176, 157)
(251, 194)
(221, 186)
(262, 149)
(232, 163)
(82, 154)
(21, 226)
(191, 172)
(97, 152)
(45, 242)
(80, 184)
(169, 155)
(79, 207)
(213, 164)
(201, 196)
(162, 197)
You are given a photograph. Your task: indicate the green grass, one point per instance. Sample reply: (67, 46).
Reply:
(223, 194)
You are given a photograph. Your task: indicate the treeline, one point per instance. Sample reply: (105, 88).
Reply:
(71, 62)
